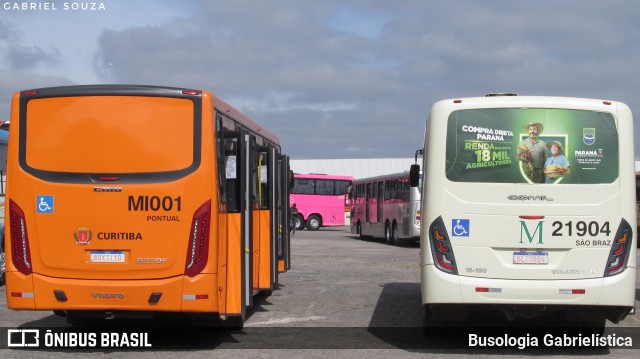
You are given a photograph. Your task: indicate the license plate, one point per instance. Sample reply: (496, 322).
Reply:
(530, 258)
(107, 257)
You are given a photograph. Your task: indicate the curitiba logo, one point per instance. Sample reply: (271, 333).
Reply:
(531, 236)
(82, 236)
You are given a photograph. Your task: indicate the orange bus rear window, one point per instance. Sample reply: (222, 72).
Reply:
(110, 134)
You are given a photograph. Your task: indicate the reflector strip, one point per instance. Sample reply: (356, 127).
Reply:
(194, 296)
(572, 291)
(488, 290)
(22, 294)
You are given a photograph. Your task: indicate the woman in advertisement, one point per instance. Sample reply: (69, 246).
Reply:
(557, 165)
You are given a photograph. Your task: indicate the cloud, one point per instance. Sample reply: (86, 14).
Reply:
(18, 56)
(12, 81)
(19, 65)
(26, 58)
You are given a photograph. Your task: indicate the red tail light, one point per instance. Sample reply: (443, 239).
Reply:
(198, 250)
(620, 249)
(20, 251)
(441, 248)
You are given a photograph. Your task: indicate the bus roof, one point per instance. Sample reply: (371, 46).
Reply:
(384, 177)
(532, 101)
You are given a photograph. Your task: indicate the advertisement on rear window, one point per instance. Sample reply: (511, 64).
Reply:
(532, 145)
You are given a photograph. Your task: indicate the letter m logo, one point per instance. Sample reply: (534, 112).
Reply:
(531, 236)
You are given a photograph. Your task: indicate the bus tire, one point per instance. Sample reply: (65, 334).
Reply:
(388, 236)
(298, 221)
(394, 233)
(314, 222)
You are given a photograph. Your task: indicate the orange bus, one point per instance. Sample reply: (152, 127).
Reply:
(128, 200)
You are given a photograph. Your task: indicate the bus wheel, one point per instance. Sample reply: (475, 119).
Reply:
(297, 220)
(394, 233)
(313, 223)
(388, 237)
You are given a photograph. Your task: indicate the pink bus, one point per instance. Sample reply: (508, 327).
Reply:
(321, 200)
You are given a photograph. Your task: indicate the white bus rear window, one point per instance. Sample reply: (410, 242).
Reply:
(532, 145)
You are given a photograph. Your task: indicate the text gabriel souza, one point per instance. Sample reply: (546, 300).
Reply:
(550, 340)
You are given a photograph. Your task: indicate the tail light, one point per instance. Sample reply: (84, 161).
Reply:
(20, 251)
(198, 250)
(441, 249)
(619, 254)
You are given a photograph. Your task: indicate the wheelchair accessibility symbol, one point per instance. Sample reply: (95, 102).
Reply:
(45, 204)
(460, 227)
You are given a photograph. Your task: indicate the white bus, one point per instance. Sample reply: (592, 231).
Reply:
(530, 209)
(387, 207)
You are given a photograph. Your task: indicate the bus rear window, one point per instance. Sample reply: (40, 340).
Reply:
(109, 134)
(532, 145)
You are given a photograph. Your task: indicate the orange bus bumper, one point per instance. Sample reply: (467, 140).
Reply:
(177, 294)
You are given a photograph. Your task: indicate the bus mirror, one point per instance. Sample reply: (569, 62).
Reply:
(290, 179)
(414, 175)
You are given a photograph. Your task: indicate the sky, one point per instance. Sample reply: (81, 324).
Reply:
(332, 78)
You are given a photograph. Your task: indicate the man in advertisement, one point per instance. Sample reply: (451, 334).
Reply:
(533, 153)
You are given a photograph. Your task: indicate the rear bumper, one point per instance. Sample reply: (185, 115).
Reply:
(176, 294)
(618, 290)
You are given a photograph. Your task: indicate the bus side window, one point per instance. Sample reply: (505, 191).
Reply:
(325, 187)
(231, 174)
(263, 180)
